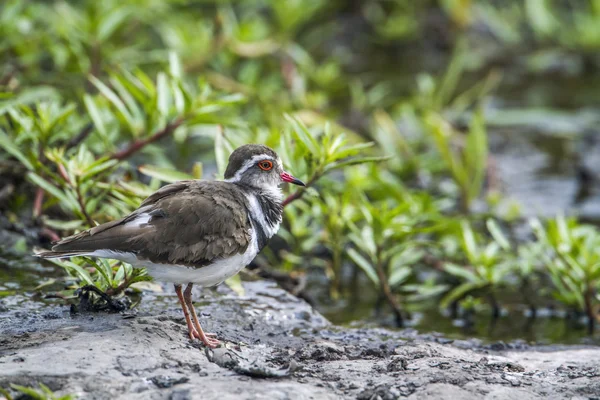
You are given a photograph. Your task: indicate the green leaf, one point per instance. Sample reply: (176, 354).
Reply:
(49, 188)
(139, 275)
(538, 229)
(136, 188)
(163, 98)
(105, 270)
(459, 292)
(222, 151)
(450, 80)
(349, 150)
(63, 225)
(304, 135)
(365, 265)
(461, 272)
(6, 394)
(29, 392)
(174, 65)
(120, 275)
(563, 231)
(7, 144)
(116, 102)
(164, 174)
(111, 22)
(71, 266)
(95, 114)
(497, 234)
(235, 284)
(48, 282)
(355, 161)
(61, 117)
(139, 118)
(475, 154)
(197, 170)
(97, 168)
(469, 242)
(399, 275)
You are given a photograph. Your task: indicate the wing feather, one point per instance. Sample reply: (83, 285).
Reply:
(203, 222)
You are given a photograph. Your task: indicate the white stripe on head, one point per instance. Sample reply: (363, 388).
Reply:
(249, 164)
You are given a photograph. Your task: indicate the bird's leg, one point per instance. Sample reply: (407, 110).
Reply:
(192, 331)
(207, 338)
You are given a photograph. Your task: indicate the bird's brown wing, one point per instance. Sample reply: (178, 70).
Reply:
(188, 223)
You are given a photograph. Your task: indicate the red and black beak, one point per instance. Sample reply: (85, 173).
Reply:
(290, 179)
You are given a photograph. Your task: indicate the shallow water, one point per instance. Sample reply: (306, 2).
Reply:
(515, 324)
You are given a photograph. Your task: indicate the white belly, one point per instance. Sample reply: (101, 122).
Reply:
(207, 276)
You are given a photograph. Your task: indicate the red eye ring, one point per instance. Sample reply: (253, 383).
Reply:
(265, 165)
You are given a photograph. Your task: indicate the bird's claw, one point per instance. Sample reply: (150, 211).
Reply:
(209, 338)
(211, 342)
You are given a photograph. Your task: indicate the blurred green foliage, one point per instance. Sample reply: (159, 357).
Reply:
(44, 393)
(101, 102)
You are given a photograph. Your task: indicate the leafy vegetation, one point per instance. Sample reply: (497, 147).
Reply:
(103, 102)
(44, 393)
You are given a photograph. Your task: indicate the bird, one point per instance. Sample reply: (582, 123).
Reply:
(195, 232)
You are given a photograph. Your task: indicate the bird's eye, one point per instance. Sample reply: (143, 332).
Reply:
(265, 165)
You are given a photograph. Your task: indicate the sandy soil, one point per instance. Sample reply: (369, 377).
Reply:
(278, 347)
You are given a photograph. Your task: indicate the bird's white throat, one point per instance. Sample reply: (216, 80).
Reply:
(257, 213)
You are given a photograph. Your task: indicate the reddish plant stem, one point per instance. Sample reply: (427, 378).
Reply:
(122, 286)
(289, 72)
(299, 193)
(39, 194)
(589, 308)
(293, 197)
(140, 144)
(63, 172)
(50, 234)
(38, 202)
(81, 203)
(75, 186)
(389, 295)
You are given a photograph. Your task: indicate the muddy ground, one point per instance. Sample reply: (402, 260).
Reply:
(278, 347)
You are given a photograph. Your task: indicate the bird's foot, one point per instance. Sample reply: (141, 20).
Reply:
(208, 338)
(211, 342)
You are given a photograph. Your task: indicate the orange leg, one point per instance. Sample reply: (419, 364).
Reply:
(207, 338)
(192, 331)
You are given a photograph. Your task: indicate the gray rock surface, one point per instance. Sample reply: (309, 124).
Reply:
(277, 347)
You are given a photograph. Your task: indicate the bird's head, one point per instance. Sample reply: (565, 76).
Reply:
(258, 166)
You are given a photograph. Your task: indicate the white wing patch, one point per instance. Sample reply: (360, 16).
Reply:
(140, 220)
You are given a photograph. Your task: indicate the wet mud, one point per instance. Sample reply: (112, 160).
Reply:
(276, 347)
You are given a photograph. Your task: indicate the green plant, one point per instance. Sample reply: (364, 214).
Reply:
(44, 393)
(386, 245)
(466, 160)
(572, 258)
(338, 213)
(110, 277)
(486, 266)
(67, 156)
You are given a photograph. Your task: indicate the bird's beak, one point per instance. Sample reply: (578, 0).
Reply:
(290, 179)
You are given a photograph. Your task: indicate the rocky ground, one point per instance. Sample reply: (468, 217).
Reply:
(277, 347)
